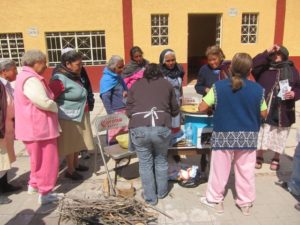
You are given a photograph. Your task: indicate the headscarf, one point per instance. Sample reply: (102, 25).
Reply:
(67, 72)
(223, 69)
(132, 67)
(285, 66)
(176, 72)
(284, 72)
(109, 80)
(3, 104)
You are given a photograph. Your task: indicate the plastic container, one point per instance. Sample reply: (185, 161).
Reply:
(189, 134)
(199, 123)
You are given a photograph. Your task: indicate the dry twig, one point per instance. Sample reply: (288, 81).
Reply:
(106, 211)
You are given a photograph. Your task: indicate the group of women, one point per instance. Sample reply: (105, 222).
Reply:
(52, 120)
(248, 115)
(150, 95)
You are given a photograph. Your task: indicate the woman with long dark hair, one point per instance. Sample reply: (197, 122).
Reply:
(150, 106)
(134, 70)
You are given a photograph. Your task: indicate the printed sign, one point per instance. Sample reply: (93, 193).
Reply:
(111, 121)
(190, 100)
(33, 31)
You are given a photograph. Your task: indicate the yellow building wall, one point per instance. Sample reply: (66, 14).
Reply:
(179, 10)
(291, 27)
(64, 15)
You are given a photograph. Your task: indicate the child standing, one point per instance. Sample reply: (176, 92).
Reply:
(239, 104)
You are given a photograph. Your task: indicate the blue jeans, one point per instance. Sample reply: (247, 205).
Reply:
(151, 145)
(294, 183)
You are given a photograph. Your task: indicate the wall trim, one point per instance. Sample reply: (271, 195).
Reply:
(127, 28)
(279, 21)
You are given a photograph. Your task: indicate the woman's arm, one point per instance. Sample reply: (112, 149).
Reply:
(35, 92)
(107, 101)
(203, 107)
(130, 102)
(207, 101)
(200, 85)
(173, 104)
(261, 61)
(296, 84)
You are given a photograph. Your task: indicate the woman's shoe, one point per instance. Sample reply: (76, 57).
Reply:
(50, 198)
(297, 206)
(274, 166)
(4, 200)
(218, 206)
(246, 210)
(150, 203)
(6, 187)
(82, 168)
(259, 162)
(74, 176)
(31, 190)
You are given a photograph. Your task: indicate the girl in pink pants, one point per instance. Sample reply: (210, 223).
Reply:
(239, 104)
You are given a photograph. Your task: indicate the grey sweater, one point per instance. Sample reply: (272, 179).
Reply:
(146, 94)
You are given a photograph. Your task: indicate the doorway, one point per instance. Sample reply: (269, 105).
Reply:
(203, 30)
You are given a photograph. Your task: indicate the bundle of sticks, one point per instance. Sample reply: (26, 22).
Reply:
(106, 211)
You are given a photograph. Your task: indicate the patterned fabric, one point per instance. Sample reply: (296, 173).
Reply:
(272, 138)
(234, 140)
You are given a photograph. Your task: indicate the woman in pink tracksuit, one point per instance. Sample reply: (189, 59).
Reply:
(37, 125)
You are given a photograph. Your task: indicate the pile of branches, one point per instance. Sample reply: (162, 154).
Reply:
(106, 211)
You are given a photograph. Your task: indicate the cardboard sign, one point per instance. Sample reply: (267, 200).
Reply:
(111, 121)
(190, 100)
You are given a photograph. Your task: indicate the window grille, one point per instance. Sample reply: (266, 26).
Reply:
(159, 29)
(90, 43)
(249, 28)
(12, 47)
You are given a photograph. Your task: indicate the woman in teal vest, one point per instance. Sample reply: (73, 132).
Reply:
(73, 112)
(239, 105)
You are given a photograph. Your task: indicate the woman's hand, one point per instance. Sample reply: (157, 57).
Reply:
(274, 48)
(206, 90)
(289, 95)
(125, 94)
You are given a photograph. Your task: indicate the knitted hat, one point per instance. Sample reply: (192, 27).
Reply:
(284, 52)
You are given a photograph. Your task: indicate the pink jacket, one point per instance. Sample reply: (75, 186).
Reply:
(32, 123)
(129, 81)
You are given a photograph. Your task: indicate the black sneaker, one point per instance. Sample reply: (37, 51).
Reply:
(74, 176)
(10, 188)
(4, 200)
(82, 168)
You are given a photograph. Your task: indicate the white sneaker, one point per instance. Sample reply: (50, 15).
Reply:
(50, 197)
(245, 209)
(218, 206)
(31, 190)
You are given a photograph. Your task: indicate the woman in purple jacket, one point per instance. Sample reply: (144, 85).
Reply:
(277, 75)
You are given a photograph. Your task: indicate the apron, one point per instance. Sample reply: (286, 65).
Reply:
(153, 114)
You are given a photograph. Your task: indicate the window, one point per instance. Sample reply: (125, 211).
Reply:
(218, 30)
(90, 43)
(159, 29)
(249, 27)
(12, 47)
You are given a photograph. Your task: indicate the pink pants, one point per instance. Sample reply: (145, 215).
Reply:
(244, 168)
(44, 164)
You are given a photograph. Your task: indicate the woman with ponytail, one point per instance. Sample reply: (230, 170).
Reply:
(239, 105)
